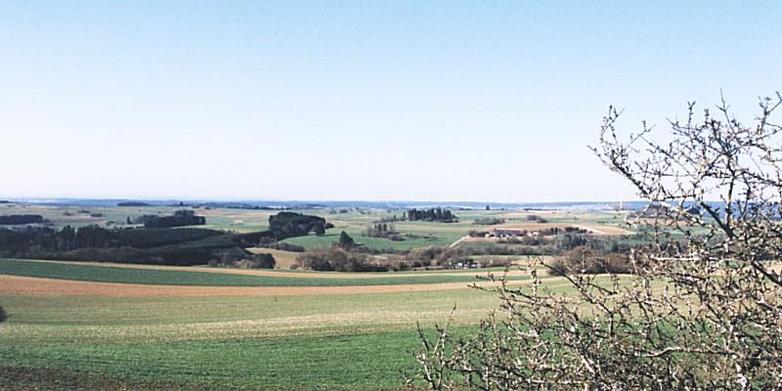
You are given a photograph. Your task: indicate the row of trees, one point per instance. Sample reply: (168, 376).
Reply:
(180, 218)
(433, 214)
(21, 219)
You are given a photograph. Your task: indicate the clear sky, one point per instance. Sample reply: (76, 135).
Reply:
(474, 101)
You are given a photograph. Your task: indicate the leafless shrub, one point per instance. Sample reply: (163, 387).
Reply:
(584, 260)
(337, 259)
(704, 311)
(536, 218)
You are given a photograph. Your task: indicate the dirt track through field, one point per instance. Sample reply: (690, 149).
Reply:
(606, 230)
(31, 286)
(456, 243)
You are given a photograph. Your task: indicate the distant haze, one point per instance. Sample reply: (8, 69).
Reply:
(477, 101)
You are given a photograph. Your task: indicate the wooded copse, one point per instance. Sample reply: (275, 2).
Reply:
(289, 224)
(21, 219)
(489, 221)
(433, 214)
(383, 230)
(180, 218)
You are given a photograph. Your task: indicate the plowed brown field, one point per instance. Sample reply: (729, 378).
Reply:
(13, 285)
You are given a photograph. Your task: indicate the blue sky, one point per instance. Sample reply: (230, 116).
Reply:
(479, 101)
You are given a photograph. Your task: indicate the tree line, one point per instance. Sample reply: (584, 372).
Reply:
(180, 218)
(433, 214)
(21, 219)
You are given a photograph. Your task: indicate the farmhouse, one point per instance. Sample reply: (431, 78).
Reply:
(507, 233)
(539, 230)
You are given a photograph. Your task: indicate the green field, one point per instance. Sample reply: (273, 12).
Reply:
(355, 361)
(344, 341)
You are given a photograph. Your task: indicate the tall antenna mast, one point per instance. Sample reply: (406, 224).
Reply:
(621, 200)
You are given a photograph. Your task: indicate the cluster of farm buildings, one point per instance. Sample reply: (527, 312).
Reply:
(521, 232)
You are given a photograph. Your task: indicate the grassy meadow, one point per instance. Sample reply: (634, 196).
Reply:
(243, 340)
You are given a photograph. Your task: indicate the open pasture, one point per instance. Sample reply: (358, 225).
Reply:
(422, 234)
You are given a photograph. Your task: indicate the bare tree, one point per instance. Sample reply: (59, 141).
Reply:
(703, 308)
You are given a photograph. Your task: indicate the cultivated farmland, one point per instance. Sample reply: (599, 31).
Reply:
(295, 336)
(125, 326)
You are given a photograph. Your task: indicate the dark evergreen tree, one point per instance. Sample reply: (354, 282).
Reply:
(345, 241)
(67, 238)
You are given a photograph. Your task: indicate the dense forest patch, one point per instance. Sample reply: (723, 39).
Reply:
(157, 245)
(21, 219)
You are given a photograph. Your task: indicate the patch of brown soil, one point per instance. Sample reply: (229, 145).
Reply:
(608, 230)
(31, 286)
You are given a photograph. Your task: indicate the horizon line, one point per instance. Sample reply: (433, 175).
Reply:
(229, 199)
